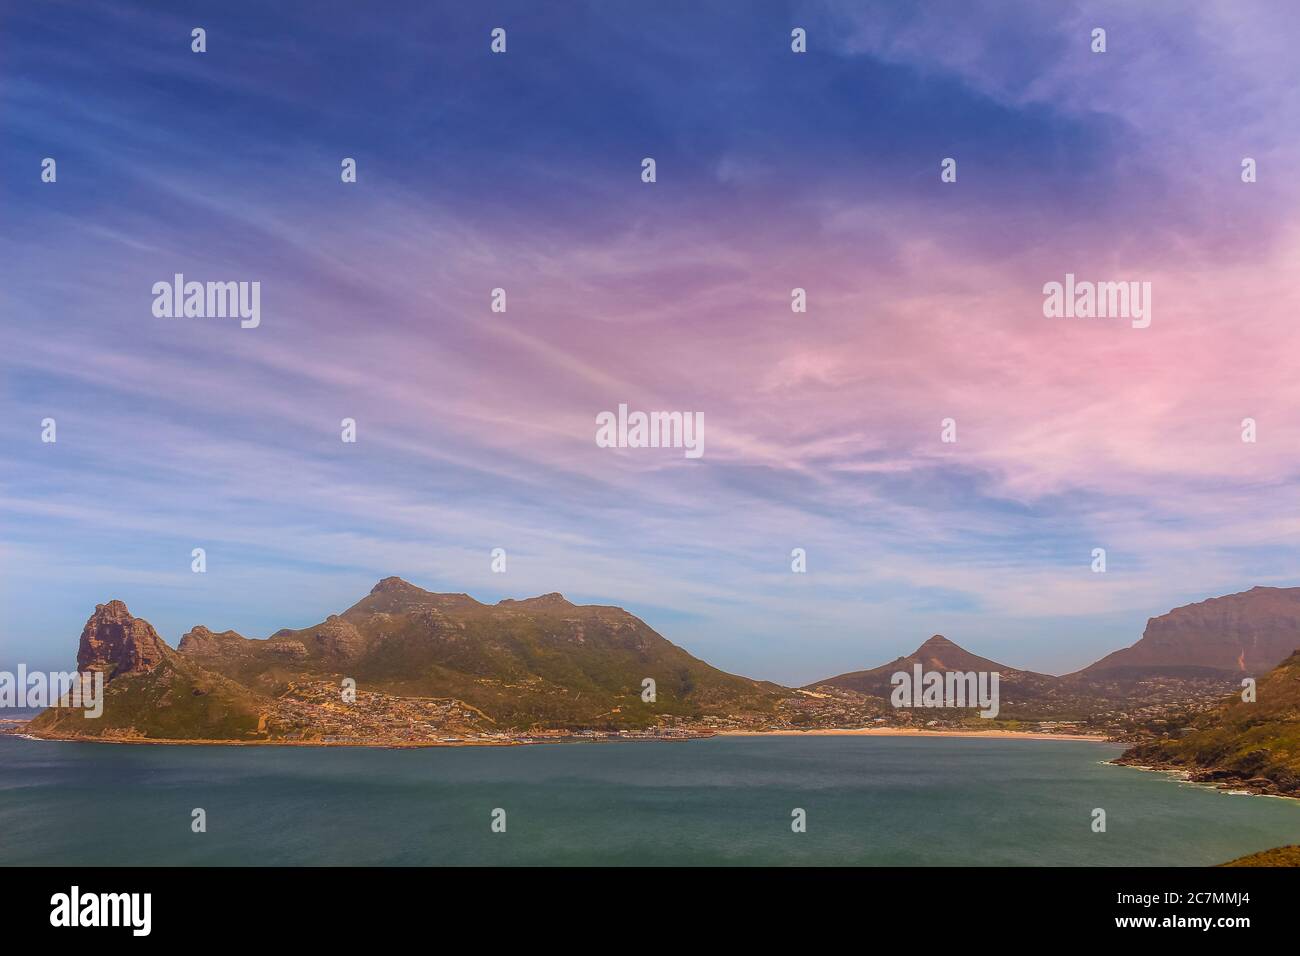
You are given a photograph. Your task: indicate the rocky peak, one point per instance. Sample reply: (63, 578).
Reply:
(116, 643)
(338, 638)
(936, 642)
(392, 595)
(392, 585)
(554, 599)
(200, 640)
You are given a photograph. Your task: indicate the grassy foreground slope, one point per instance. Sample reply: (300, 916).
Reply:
(1281, 856)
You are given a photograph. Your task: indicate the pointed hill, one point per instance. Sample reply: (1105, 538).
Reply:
(940, 654)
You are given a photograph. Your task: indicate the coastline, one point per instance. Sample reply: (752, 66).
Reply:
(407, 744)
(174, 742)
(1211, 778)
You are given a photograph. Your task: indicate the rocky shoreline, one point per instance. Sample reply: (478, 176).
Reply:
(1217, 777)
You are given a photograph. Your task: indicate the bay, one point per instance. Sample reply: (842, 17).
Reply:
(721, 801)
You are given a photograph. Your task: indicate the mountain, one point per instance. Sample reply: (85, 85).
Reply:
(540, 661)
(1254, 745)
(941, 654)
(1226, 637)
(424, 665)
(429, 666)
(150, 691)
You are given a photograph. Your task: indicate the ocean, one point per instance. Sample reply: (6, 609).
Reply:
(721, 801)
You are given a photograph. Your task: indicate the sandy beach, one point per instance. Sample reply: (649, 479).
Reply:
(909, 732)
(835, 732)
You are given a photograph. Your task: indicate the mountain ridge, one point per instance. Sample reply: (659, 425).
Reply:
(546, 664)
(540, 662)
(1246, 633)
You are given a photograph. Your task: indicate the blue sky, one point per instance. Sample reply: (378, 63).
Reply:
(775, 170)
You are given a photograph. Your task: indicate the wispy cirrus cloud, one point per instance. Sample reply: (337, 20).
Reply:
(822, 429)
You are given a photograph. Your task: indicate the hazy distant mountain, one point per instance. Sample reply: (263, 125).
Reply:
(1198, 651)
(941, 654)
(1240, 634)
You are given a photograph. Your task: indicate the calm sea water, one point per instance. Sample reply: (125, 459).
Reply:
(869, 800)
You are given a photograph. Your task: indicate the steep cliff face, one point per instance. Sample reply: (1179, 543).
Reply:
(1244, 634)
(118, 644)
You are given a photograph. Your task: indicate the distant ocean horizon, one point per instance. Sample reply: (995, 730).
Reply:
(718, 801)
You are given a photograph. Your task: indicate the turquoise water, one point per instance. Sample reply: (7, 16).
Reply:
(869, 800)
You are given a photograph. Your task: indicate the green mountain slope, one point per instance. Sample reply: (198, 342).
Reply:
(174, 701)
(1249, 744)
(150, 691)
(543, 661)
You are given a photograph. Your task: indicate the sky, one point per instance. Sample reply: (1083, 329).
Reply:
(774, 170)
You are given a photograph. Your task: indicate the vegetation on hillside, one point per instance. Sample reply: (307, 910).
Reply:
(1255, 744)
